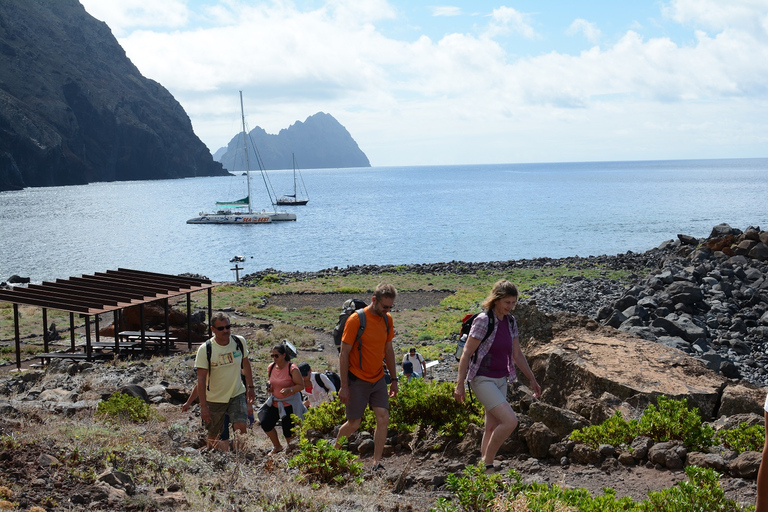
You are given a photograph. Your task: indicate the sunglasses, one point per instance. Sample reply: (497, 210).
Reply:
(274, 356)
(222, 327)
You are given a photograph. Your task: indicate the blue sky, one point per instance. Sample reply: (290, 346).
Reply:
(465, 82)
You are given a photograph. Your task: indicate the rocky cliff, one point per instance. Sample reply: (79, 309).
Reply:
(319, 142)
(74, 109)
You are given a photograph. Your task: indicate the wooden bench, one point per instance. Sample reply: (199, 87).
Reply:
(74, 356)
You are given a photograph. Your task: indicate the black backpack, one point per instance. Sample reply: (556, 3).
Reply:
(332, 376)
(239, 340)
(349, 307)
(353, 306)
(466, 326)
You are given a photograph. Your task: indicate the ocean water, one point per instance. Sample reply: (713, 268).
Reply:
(380, 215)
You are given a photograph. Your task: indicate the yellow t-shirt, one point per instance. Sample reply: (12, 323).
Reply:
(374, 342)
(224, 381)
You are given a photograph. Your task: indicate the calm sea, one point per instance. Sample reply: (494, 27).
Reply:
(382, 215)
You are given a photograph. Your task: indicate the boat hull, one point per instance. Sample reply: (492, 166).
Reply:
(289, 201)
(231, 218)
(279, 216)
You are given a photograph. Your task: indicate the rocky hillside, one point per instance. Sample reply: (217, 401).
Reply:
(320, 142)
(74, 109)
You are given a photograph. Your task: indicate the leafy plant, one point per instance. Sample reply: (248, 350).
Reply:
(322, 463)
(615, 431)
(743, 438)
(672, 419)
(669, 420)
(473, 489)
(432, 404)
(701, 491)
(328, 415)
(121, 406)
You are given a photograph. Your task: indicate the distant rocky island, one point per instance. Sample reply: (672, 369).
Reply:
(319, 142)
(74, 109)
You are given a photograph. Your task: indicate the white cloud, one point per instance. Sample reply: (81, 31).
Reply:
(582, 26)
(128, 14)
(446, 10)
(507, 20)
(716, 15)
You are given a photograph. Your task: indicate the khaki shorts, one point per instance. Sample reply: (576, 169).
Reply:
(236, 408)
(490, 392)
(363, 393)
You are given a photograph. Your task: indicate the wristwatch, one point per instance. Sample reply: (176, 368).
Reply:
(394, 379)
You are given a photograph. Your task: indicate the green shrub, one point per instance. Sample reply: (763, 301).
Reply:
(328, 415)
(701, 491)
(473, 489)
(743, 438)
(673, 420)
(615, 431)
(121, 407)
(669, 420)
(322, 463)
(432, 404)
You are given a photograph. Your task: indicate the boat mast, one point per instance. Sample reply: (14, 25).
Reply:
(295, 192)
(245, 148)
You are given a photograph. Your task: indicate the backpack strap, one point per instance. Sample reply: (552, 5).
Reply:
(320, 383)
(361, 317)
(491, 323)
(208, 350)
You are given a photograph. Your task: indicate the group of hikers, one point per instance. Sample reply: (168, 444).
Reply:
(226, 391)
(488, 361)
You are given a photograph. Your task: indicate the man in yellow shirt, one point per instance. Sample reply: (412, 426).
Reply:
(361, 371)
(225, 391)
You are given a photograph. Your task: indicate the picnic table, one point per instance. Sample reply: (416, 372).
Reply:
(147, 340)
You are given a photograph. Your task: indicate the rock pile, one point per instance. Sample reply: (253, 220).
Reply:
(708, 299)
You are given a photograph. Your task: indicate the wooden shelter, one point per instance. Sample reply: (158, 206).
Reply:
(92, 295)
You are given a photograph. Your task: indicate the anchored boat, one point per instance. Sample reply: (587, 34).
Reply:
(241, 211)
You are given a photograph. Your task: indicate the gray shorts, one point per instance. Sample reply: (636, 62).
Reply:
(490, 392)
(236, 408)
(363, 393)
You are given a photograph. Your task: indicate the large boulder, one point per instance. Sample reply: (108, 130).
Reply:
(607, 361)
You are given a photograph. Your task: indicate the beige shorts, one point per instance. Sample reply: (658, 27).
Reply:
(490, 392)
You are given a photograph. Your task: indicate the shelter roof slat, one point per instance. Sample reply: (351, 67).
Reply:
(66, 295)
(183, 280)
(93, 291)
(32, 301)
(58, 297)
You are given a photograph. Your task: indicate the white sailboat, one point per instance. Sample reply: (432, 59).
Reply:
(294, 199)
(240, 211)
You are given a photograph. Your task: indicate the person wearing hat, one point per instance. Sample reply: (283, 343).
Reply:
(317, 386)
(408, 371)
(419, 365)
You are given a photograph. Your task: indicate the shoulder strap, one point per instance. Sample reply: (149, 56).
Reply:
(208, 350)
(319, 381)
(239, 343)
(361, 317)
(491, 322)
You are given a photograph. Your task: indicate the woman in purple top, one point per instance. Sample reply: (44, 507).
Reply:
(490, 365)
